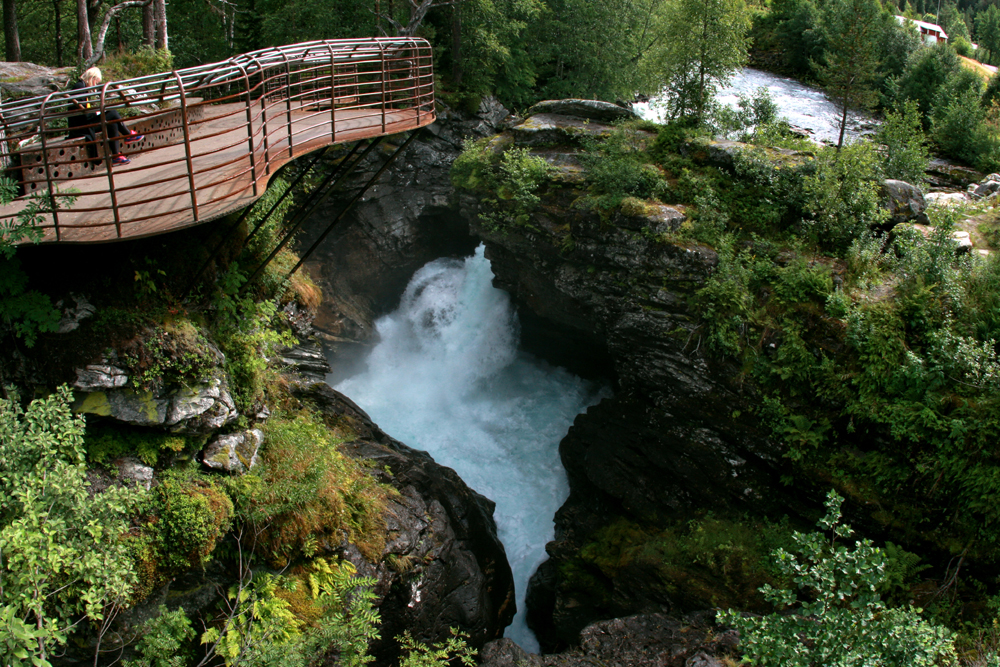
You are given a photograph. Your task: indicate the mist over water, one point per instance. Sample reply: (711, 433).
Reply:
(447, 377)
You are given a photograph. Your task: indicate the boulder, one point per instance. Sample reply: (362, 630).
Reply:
(604, 112)
(133, 472)
(645, 640)
(234, 452)
(193, 410)
(95, 377)
(443, 564)
(946, 198)
(543, 129)
(984, 189)
(73, 315)
(904, 202)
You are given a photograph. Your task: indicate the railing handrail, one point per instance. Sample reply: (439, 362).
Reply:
(286, 101)
(19, 113)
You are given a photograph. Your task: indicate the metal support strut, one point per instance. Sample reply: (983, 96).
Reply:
(308, 207)
(350, 204)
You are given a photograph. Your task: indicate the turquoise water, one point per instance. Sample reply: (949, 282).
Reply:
(447, 377)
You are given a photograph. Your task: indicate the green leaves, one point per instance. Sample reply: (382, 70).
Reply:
(60, 556)
(837, 616)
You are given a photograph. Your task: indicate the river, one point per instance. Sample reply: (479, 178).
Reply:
(803, 106)
(447, 376)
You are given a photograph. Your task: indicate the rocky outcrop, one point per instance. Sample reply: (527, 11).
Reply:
(199, 409)
(651, 640)
(586, 109)
(612, 294)
(402, 223)
(29, 80)
(904, 203)
(443, 565)
(234, 452)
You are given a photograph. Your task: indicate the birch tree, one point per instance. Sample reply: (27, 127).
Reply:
(705, 42)
(852, 29)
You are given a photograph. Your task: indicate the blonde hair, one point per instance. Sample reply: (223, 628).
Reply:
(92, 76)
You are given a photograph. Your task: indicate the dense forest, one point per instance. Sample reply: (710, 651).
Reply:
(898, 412)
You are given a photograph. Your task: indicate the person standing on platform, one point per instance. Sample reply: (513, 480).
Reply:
(87, 122)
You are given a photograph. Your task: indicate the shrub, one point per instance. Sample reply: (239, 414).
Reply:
(840, 619)
(904, 144)
(106, 443)
(304, 491)
(191, 515)
(843, 195)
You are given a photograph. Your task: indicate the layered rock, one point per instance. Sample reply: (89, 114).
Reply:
(612, 294)
(443, 566)
(402, 223)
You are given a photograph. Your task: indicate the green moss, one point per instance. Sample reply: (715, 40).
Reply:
(106, 442)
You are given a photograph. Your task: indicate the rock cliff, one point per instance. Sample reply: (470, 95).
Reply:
(606, 295)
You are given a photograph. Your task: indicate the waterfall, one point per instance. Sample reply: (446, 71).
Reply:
(447, 377)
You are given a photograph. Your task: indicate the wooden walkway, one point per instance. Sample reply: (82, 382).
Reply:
(222, 160)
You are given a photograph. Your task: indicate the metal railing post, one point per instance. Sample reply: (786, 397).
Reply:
(108, 161)
(187, 146)
(381, 51)
(263, 115)
(333, 94)
(45, 166)
(253, 152)
(288, 101)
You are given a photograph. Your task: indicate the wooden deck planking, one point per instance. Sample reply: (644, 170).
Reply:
(153, 193)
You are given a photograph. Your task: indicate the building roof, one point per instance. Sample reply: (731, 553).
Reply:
(923, 25)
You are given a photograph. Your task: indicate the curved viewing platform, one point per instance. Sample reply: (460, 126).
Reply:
(214, 134)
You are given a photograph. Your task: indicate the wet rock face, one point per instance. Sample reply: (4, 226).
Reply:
(677, 437)
(649, 640)
(402, 223)
(443, 564)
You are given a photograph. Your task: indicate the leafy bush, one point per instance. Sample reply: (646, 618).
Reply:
(905, 146)
(840, 618)
(509, 177)
(63, 560)
(191, 515)
(618, 167)
(304, 490)
(843, 195)
(106, 443)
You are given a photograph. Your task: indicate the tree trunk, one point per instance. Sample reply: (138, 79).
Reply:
(456, 45)
(148, 27)
(57, 8)
(84, 47)
(12, 40)
(160, 19)
(843, 118)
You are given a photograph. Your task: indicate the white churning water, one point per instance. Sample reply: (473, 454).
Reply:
(447, 377)
(801, 105)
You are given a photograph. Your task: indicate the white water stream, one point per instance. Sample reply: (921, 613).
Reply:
(801, 105)
(447, 377)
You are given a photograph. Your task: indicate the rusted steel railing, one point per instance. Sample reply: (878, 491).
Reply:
(214, 134)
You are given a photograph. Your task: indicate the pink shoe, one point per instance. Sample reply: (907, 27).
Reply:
(133, 137)
(120, 159)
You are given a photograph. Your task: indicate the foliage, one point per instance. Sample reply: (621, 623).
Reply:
(25, 313)
(145, 61)
(840, 618)
(163, 640)
(106, 443)
(191, 515)
(617, 167)
(244, 329)
(850, 60)
(61, 559)
(512, 176)
(902, 139)
(305, 491)
(704, 43)
(843, 195)
(173, 353)
(452, 651)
